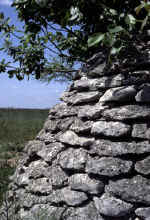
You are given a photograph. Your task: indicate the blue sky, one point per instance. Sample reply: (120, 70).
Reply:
(27, 93)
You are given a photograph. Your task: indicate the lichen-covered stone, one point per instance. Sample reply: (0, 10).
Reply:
(40, 185)
(71, 138)
(62, 110)
(110, 129)
(55, 125)
(141, 131)
(108, 166)
(58, 177)
(111, 206)
(79, 126)
(143, 166)
(50, 151)
(127, 112)
(136, 189)
(68, 196)
(104, 147)
(82, 182)
(46, 137)
(44, 211)
(73, 198)
(51, 125)
(73, 159)
(32, 147)
(88, 212)
(120, 94)
(79, 98)
(91, 111)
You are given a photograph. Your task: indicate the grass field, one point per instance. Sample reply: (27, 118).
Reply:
(17, 126)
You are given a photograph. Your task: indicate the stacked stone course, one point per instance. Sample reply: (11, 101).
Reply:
(91, 161)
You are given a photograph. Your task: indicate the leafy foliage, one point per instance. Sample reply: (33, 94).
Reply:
(71, 30)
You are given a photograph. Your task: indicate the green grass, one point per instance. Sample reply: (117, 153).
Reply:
(17, 127)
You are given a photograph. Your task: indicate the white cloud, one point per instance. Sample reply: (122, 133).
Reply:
(5, 2)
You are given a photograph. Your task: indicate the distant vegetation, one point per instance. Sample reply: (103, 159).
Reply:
(17, 126)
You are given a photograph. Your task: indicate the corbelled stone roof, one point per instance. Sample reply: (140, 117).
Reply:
(91, 160)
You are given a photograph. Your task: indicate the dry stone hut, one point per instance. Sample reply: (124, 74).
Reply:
(91, 161)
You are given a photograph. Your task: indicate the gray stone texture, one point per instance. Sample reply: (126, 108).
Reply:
(79, 126)
(143, 212)
(82, 182)
(110, 129)
(50, 151)
(71, 138)
(102, 83)
(143, 166)
(144, 94)
(120, 94)
(127, 112)
(80, 98)
(91, 111)
(82, 213)
(136, 189)
(111, 206)
(108, 166)
(141, 131)
(97, 70)
(73, 159)
(113, 148)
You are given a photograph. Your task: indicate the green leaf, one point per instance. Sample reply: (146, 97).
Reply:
(130, 19)
(115, 50)
(113, 12)
(116, 29)
(147, 6)
(95, 39)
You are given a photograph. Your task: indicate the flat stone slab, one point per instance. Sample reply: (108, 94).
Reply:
(73, 159)
(103, 83)
(62, 110)
(79, 126)
(71, 138)
(88, 212)
(57, 177)
(143, 166)
(97, 70)
(91, 111)
(82, 182)
(45, 211)
(120, 94)
(143, 212)
(50, 151)
(79, 98)
(40, 185)
(68, 196)
(109, 148)
(136, 189)
(110, 129)
(127, 112)
(111, 206)
(32, 147)
(141, 131)
(144, 94)
(55, 125)
(108, 166)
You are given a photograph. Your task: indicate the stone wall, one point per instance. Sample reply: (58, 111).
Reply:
(91, 161)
